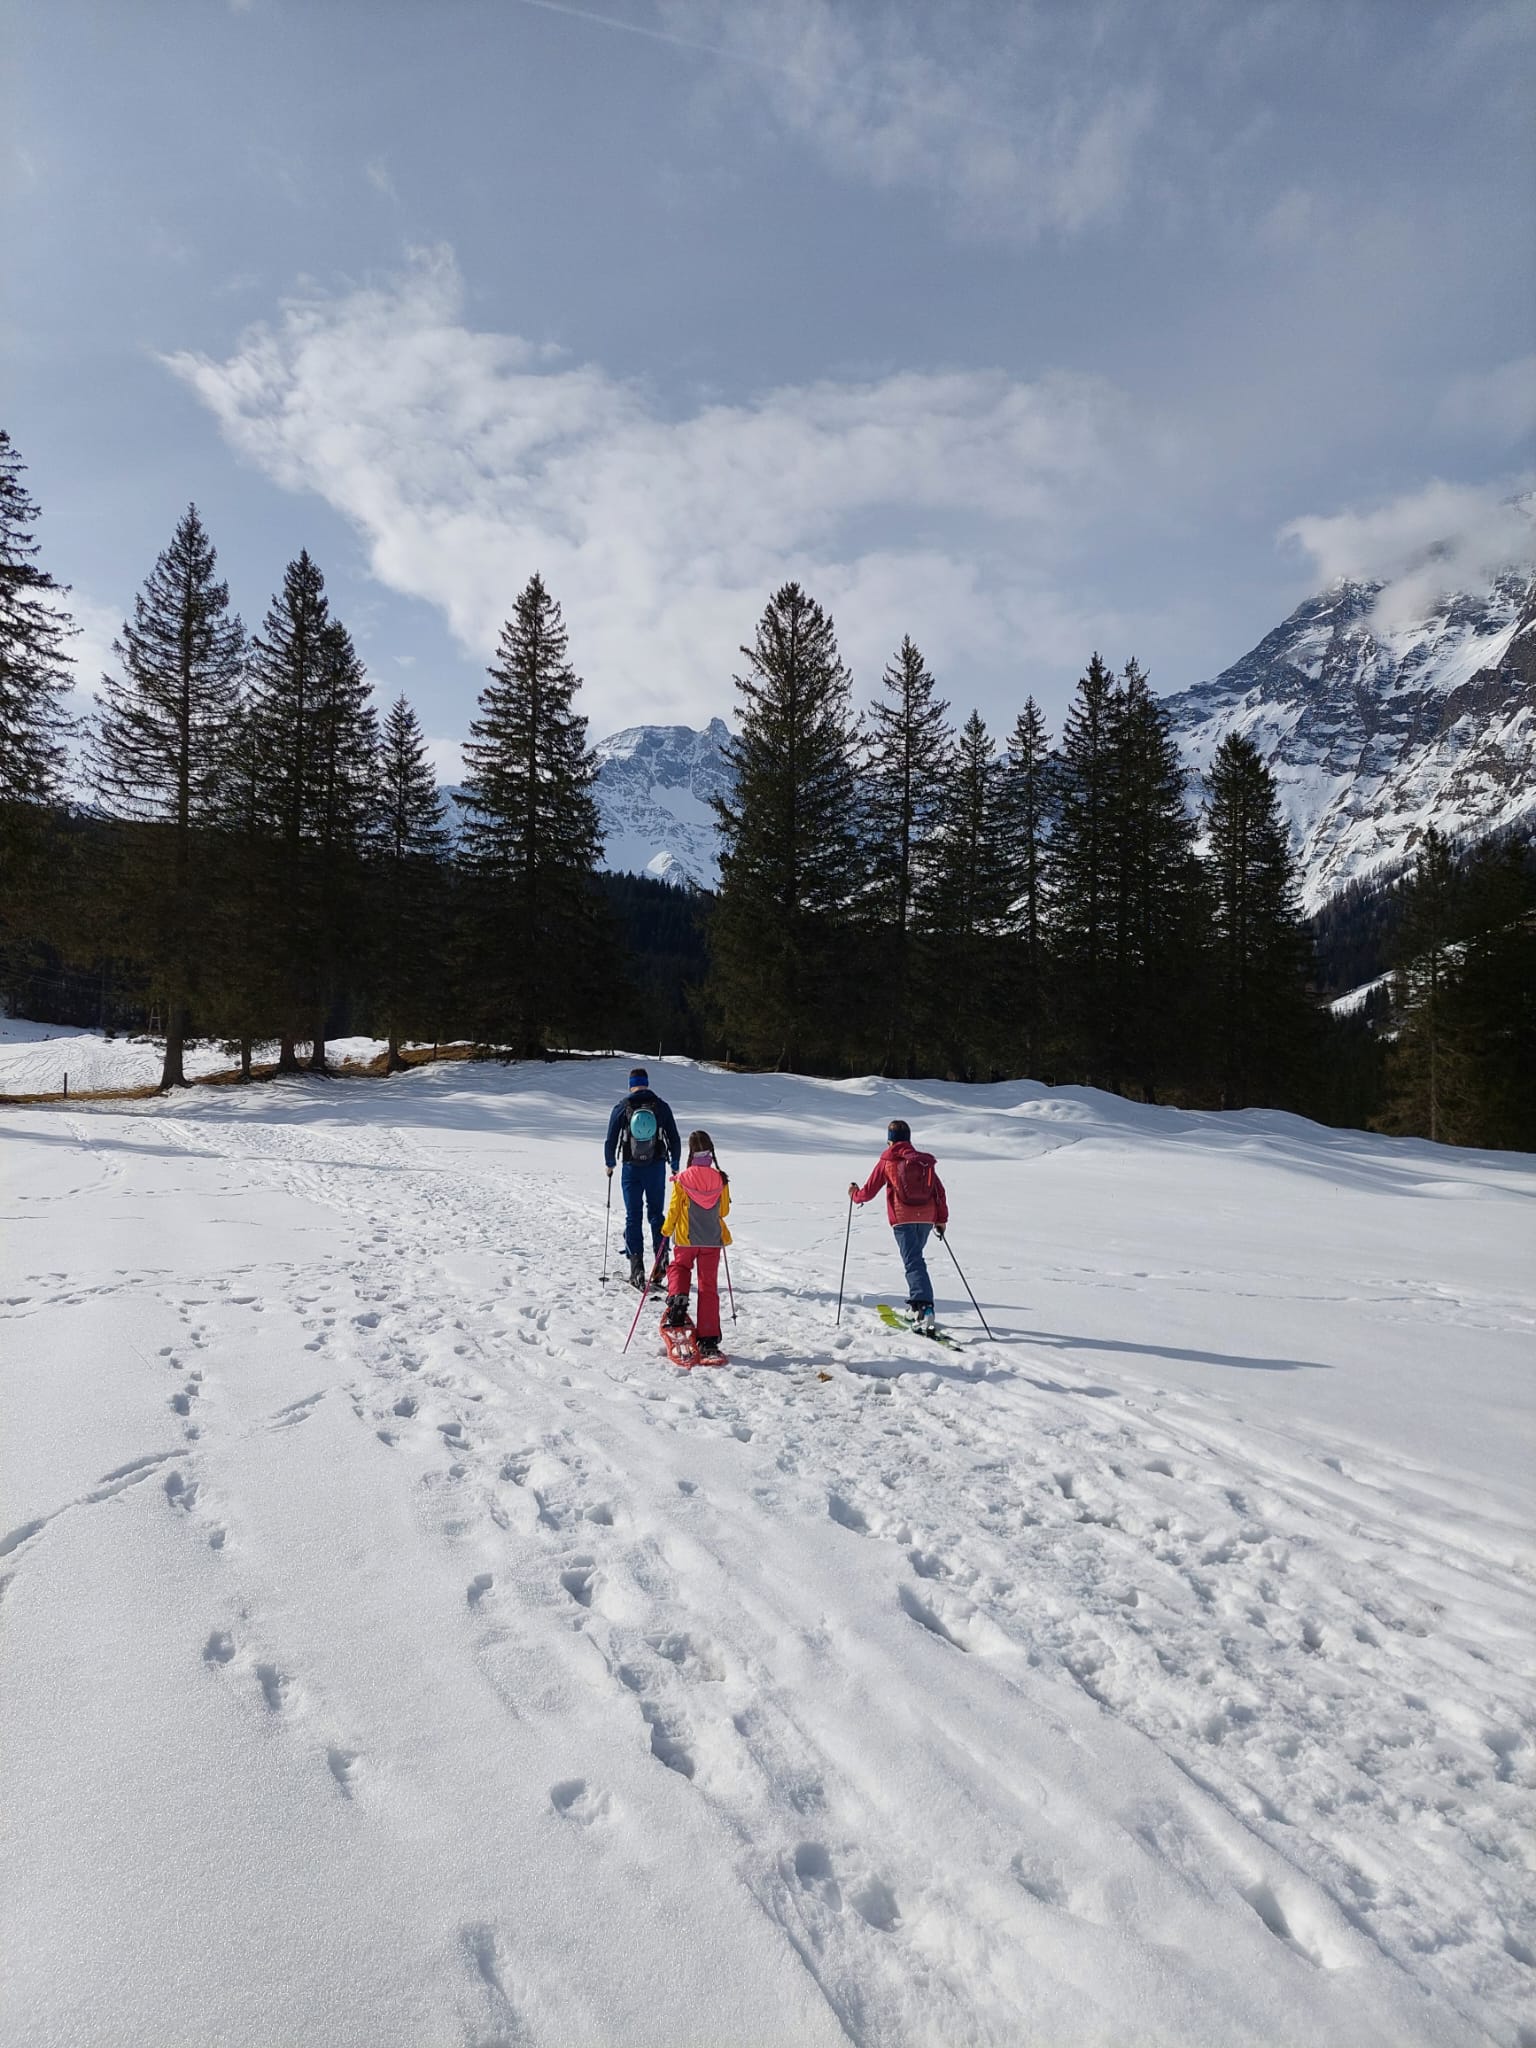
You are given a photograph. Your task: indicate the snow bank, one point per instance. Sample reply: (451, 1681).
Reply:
(35, 1058)
(392, 1658)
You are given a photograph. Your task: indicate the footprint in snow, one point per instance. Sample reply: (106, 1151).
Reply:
(575, 1800)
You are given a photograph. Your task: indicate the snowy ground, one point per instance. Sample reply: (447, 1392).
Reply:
(38, 1059)
(388, 1660)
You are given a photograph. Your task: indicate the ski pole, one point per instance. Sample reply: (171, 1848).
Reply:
(844, 1274)
(975, 1304)
(730, 1290)
(607, 1225)
(645, 1290)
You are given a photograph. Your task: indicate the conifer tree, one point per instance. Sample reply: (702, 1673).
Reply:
(1261, 954)
(1427, 1074)
(285, 695)
(908, 750)
(532, 836)
(1080, 872)
(1025, 801)
(38, 896)
(341, 818)
(964, 907)
(907, 755)
(34, 676)
(161, 760)
(1152, 1011)
(408, 894)
(788, 844)
(1495, 996)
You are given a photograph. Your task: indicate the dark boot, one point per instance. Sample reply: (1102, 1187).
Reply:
(636, 1270)
(708, 1347)
(676, 1317)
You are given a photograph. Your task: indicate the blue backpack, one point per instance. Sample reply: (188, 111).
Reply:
(644, 1136)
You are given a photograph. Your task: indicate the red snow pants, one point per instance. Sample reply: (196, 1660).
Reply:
(707, 1322)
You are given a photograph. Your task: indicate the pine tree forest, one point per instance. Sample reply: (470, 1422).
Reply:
(238, 846)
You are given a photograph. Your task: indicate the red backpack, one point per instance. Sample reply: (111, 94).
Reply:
(911, 1175)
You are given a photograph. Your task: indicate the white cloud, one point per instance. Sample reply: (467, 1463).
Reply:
(376, 171)
(1497, 404)
(1445, 537)
(447, 758)
(938, 504)
(1016, 116)
(90, 647)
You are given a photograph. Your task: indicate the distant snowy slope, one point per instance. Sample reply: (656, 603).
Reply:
(1375, 732)
(654, 783)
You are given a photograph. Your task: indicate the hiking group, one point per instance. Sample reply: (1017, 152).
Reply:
(688, 1229)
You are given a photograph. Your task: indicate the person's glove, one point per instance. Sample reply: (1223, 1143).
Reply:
(610, 1173)
(853, 1191)
(938, 1229)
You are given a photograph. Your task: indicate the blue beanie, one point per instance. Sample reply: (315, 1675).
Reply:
(639, 1078)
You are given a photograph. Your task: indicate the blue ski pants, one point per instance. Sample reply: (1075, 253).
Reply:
(645, 1187)
(910, 1240)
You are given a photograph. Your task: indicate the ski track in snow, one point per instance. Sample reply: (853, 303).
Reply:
(1020, 1692)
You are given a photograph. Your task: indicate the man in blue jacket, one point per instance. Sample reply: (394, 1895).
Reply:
(643, 1134)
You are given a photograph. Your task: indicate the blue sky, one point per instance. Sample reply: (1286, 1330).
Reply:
(1024, 329)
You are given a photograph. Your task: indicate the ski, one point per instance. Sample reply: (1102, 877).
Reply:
(894, 1320)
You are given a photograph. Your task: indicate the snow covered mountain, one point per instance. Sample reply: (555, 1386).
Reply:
(654, 783)
(1375, 730)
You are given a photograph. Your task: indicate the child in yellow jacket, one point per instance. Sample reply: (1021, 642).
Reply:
(695, 1225)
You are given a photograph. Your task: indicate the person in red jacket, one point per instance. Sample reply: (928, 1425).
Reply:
(915, 1203)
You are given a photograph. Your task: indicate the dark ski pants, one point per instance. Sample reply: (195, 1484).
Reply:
(645, 1187)
(910, 1240)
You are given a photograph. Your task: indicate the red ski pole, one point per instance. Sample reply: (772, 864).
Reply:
(645, 1290)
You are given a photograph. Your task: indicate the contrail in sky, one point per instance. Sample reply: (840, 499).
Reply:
(661, 35)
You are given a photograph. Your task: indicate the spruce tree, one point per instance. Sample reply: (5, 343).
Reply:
(1495, 994)
(1261, 953)
(1427, 1071)
(34, 673)
(341, 818)
(407, 893)
(1080, 873)
(1152, 1016)
(964, 907)
(285, 693)
(788, 841)
(161, 761)
(907, 754)
(38, 855)
(532, 836)
(1026, 801)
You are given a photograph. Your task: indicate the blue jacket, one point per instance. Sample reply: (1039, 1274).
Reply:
(616, 1144)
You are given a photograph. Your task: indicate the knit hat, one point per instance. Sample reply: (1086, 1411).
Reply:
(639, 1078)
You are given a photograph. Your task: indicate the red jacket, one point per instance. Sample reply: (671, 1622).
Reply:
(896, 1210)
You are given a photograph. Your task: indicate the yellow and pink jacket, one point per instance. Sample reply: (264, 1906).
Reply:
(696, 1211)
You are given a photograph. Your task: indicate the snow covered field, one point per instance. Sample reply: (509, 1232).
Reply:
(388, 1660)
(37, 1059)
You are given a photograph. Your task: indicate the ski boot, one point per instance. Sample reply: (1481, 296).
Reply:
(636, 1270)
(923, 1319)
